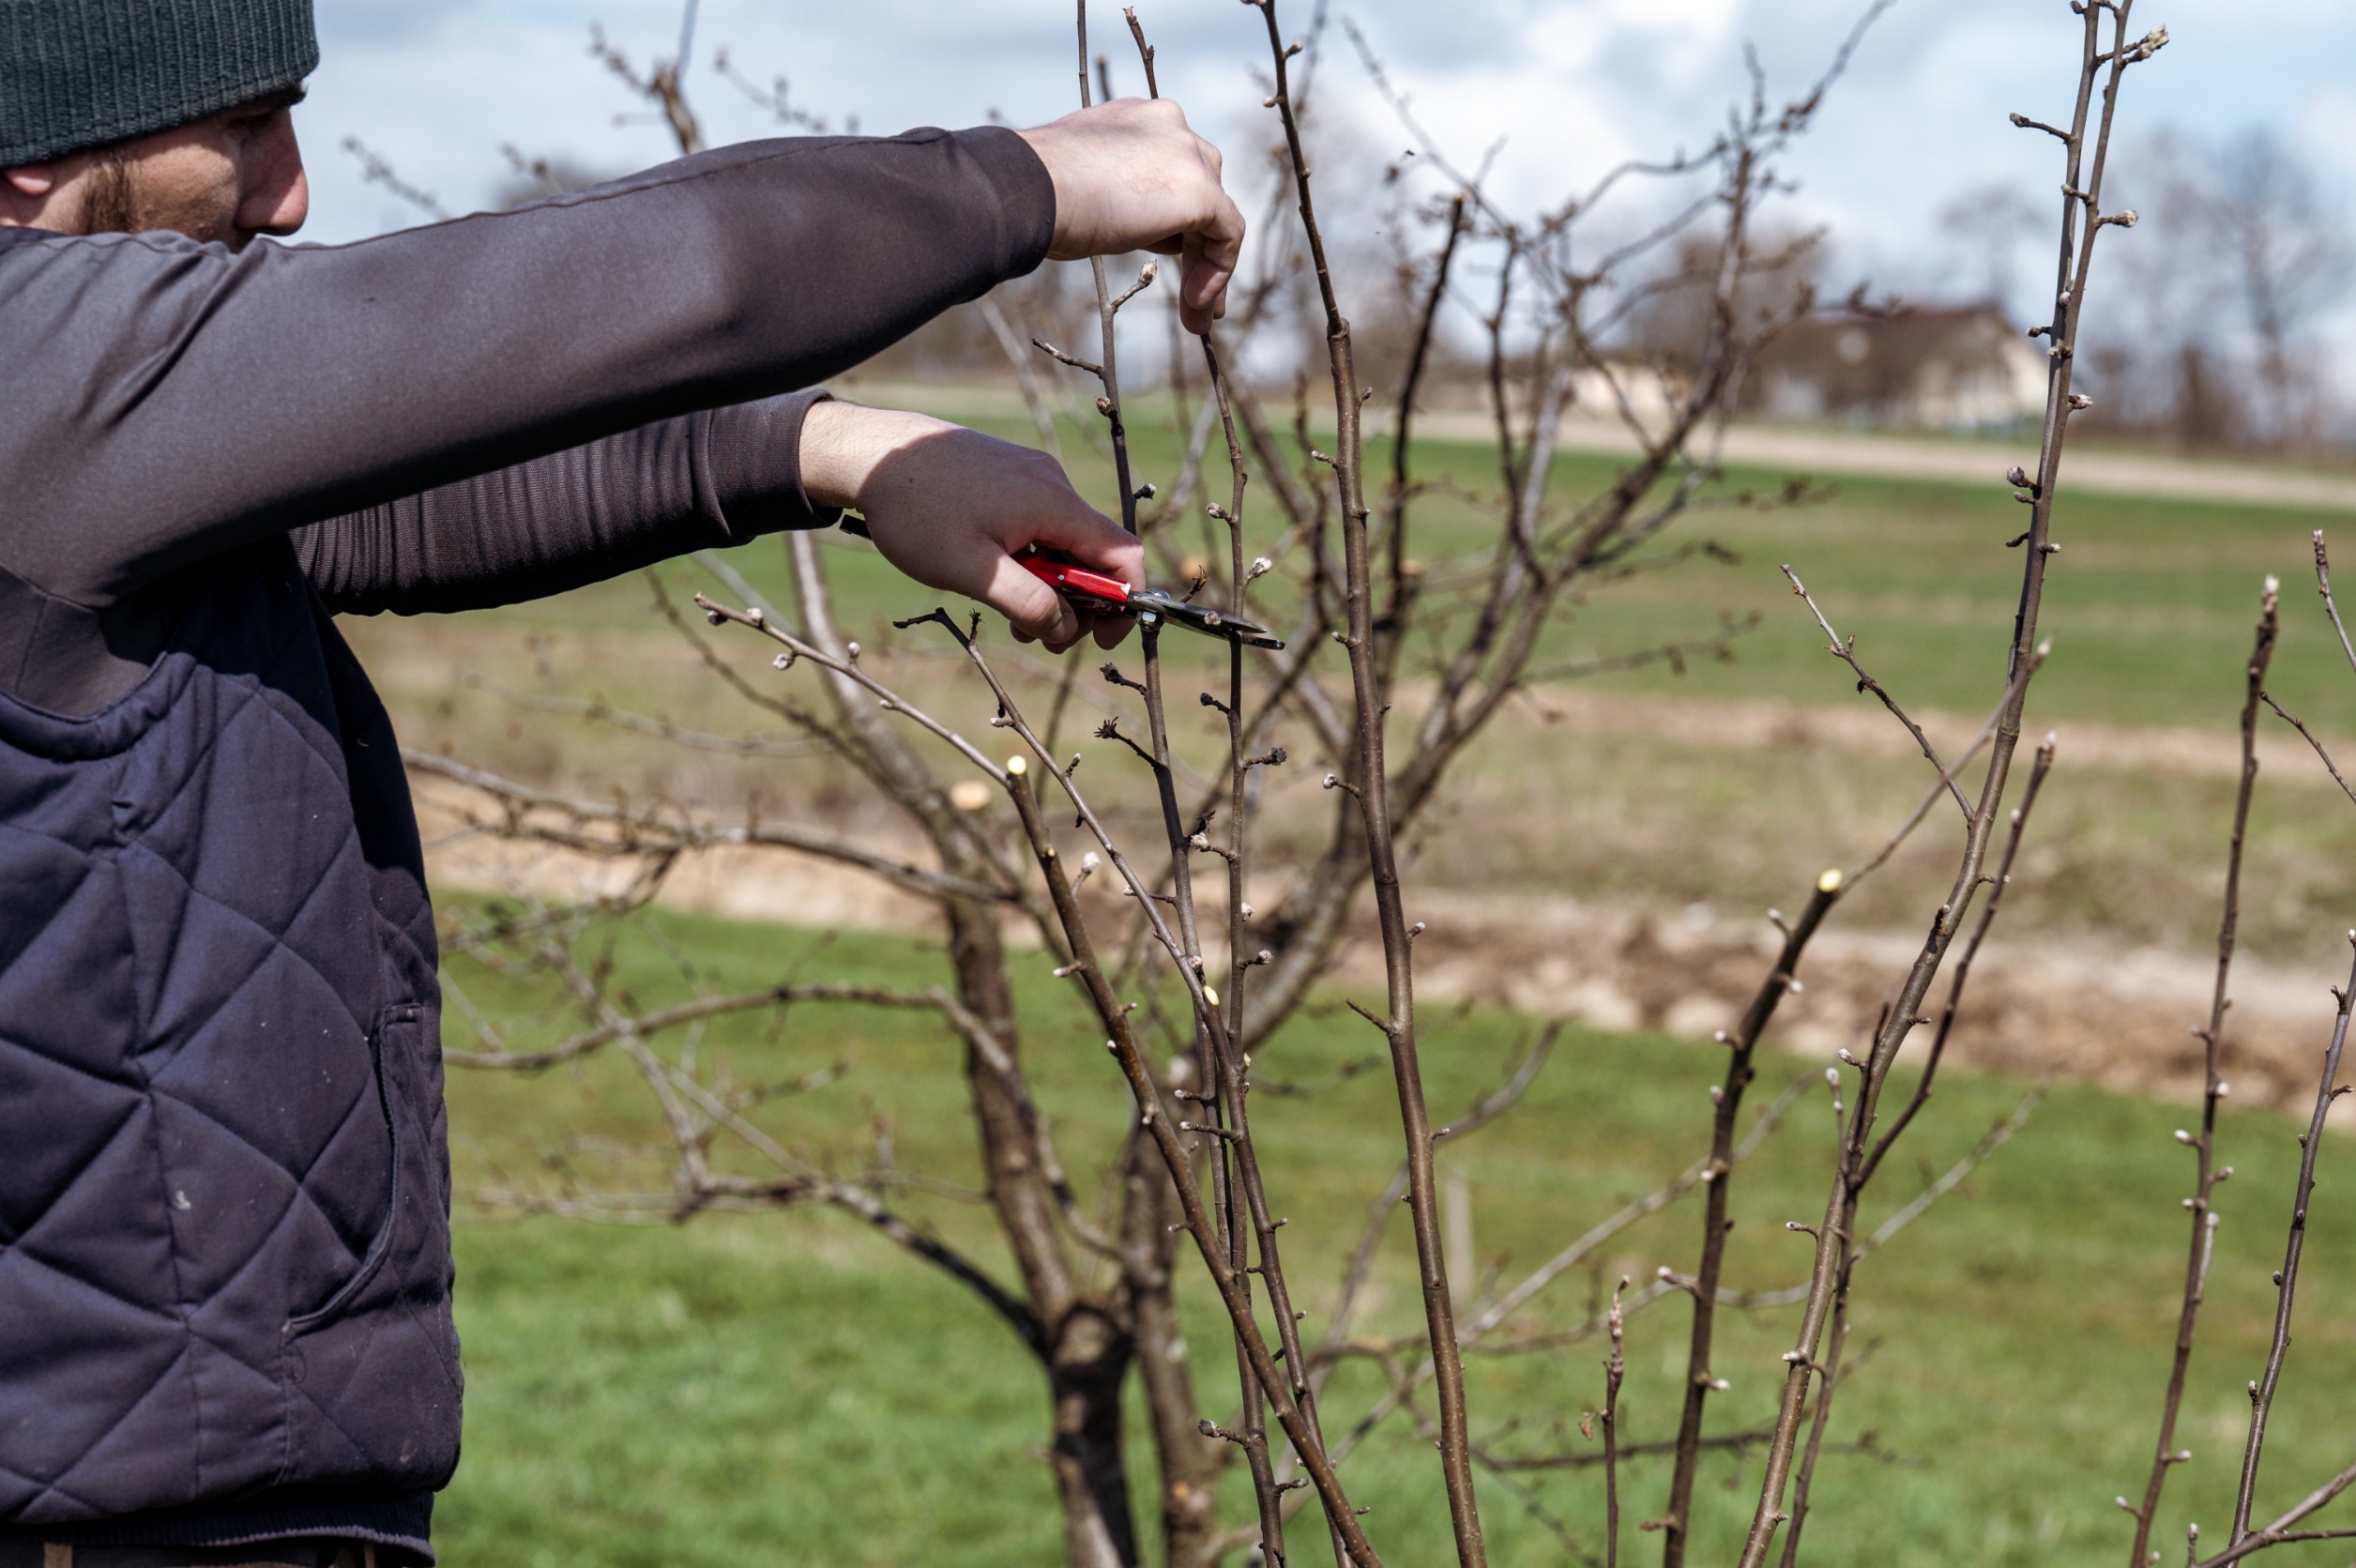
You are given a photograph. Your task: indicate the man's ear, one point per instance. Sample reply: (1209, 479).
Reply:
(24, 191)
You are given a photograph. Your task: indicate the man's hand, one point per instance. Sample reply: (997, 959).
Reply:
(1130, 176)
(950, 507)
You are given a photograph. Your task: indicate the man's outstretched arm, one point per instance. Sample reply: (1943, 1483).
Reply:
(947, 506)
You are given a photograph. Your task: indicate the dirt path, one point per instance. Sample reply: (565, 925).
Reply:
(2116, 1017)
(1818, 452)
(1983, 462)
(2119, 1018)
(1864, 729)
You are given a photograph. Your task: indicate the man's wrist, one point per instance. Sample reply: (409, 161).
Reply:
(842, 443)
(1046, 145)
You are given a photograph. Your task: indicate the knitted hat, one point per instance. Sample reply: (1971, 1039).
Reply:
(81, 73)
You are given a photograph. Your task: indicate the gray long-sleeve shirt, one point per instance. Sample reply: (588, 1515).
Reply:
(469, 414)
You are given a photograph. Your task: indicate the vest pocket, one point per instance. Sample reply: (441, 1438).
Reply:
(380, 1244)
(370, 1378)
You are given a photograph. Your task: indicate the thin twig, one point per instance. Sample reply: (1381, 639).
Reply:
(2019, 684)
(1782, 979)
(2002, 880)
(660, 1019)
(2282, 1530)
(2322, 755)
(624, 830)
(1615, 1369)
(1845, 649)
(2206, 1175)
(2328, 1090)
(2331, 606)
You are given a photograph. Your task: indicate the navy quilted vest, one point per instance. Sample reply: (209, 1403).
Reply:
(224, 1190)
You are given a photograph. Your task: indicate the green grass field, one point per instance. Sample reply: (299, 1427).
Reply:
(790, 1389)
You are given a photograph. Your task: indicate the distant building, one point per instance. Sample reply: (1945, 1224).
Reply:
(1957, 368)
(1627, 386)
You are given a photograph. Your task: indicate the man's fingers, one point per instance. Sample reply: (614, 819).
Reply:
(1090, 538)
(1209, 263)
(1134, 175)
(1029, 605)
(1202, 291)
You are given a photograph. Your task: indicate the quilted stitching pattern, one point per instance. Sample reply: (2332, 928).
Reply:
(214, 1278)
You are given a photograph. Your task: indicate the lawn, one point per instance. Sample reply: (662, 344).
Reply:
(790, 1389)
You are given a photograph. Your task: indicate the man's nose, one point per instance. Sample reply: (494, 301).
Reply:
(275, 194)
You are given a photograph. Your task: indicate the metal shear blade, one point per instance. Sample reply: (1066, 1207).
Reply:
(1201, 617)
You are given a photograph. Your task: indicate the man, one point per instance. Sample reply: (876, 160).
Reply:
(224, 1258)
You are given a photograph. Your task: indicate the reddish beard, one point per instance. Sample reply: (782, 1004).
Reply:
(110, 203)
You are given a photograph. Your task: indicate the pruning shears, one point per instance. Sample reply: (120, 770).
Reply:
(1093, 590)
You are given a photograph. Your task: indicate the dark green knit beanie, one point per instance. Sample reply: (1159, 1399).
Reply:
(82, 73)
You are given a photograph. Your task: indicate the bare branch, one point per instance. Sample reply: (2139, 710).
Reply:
(1373, 796)
(625, 831)
(2308, 736)
(2331, 606)
(1845, 649)
(2286, 1278)
(377, 170)
(2282, 1528)
(1495, 1103)
(2019, 685)
(2205, 1171)
(661, 1019)
(1615, 1369)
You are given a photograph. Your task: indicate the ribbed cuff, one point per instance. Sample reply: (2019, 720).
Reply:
(1026, 188)
(755, 454)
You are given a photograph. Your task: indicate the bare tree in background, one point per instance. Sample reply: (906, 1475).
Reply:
(2215, 343)
(1987, 227)
(2286, 259)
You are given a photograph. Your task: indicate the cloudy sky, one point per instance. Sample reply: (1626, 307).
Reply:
(1568, 86)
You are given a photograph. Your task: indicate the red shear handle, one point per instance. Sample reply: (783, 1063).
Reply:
(1078, 581)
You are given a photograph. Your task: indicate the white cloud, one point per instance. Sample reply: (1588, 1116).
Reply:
(2328, 124)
